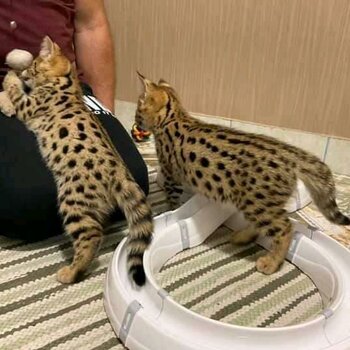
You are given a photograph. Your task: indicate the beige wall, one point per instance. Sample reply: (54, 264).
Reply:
(277, 62)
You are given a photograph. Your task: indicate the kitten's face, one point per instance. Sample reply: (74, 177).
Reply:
(152, 102)
(50, 63)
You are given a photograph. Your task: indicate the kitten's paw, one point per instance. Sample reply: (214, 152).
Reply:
(66, 275)
(11, 80)
(267, 264)
(6, 106)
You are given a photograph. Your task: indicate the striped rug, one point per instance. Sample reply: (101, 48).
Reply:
(216, 280)
(219, 281)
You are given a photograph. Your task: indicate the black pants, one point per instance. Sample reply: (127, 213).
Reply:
(28, 196)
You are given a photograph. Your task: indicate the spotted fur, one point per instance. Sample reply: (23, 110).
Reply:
(256, 173)
(91, 178)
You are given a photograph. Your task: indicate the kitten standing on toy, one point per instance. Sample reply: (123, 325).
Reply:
(256, 173)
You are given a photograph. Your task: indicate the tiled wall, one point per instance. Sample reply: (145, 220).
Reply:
(334, 151)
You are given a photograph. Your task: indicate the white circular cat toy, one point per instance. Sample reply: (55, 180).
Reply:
(148, 319)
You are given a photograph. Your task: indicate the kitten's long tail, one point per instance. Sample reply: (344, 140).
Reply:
(132, 201)
(318, 179)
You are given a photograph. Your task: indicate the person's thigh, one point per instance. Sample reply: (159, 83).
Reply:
(28, 206)
(28, 196)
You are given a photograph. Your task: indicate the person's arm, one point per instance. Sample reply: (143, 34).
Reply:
(94, 49)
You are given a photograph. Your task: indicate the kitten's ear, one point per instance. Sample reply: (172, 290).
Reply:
(48, 48)
(162, 82)
(147, 84)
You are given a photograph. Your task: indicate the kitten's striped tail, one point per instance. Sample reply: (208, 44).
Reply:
(318, 179)
(132, 201)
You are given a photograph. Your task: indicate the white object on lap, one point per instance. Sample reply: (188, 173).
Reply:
(19, 59)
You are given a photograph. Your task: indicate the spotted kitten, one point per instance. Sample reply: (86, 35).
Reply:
(91, 177)
(256, 173)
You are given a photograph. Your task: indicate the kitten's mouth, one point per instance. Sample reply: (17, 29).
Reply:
(139, 133)
(141, 126)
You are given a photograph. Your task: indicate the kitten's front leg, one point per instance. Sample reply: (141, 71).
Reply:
(172, 189)
(14, 88)
(6, 106)
(13, 85)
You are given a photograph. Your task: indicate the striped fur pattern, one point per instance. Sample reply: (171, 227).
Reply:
(91, 178)
(256, 173)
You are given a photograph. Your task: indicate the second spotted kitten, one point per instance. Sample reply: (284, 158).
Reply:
(256, 173)
(91, 177)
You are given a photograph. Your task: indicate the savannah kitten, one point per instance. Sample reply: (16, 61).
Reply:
(256, 173)
(91, 178)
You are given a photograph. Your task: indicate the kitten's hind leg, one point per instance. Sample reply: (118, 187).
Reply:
(273, 223)
(244, 236)
(280, 229)
(87, 234)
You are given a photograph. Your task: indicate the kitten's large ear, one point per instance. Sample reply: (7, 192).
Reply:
(162, 82)
(48, 48)
(147, 84)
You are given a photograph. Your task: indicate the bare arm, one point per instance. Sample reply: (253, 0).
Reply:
(94, 49)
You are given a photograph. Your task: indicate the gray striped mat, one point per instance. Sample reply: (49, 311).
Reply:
(219, 280)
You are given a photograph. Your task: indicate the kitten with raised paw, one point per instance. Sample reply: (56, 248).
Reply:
(91, 178)
(256, 173)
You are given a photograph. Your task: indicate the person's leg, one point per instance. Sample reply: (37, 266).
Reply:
(28, 207)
